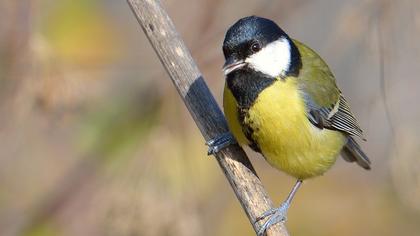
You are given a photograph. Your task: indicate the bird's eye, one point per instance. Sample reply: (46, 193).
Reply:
(256, 46)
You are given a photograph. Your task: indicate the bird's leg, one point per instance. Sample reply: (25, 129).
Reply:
(278, 214)
(218, 143)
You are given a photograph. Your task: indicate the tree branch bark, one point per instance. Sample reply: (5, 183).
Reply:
(186, 77)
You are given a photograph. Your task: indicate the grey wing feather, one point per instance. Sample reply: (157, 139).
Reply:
(344, 120)
(353, 152)
(337, 117)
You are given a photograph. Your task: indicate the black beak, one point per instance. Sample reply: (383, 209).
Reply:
(232, 64)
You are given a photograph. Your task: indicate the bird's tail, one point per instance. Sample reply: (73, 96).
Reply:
(352, 152)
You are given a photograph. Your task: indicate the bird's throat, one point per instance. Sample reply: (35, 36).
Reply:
(246, 84)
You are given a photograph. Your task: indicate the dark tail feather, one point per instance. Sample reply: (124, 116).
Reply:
(353, 153)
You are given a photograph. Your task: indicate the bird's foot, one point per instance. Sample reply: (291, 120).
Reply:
(276, 215)
(220, 142)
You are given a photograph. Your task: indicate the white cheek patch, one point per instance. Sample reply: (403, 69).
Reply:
(273, 59)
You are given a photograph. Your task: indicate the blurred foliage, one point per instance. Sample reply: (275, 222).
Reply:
(120, 124)
(94, 139)
(43, 230)
(81, 32)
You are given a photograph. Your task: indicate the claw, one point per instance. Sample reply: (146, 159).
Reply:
(266, 214)
(218, 143)
(277, 215)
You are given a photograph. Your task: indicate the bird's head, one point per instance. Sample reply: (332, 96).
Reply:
(261, 45)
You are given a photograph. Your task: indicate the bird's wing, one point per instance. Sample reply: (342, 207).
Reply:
(336, 116)
(326, 106)
(339, 117)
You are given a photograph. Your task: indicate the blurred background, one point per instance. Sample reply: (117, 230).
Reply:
(94, 139)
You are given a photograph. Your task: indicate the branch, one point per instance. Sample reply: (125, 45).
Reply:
(186, 77)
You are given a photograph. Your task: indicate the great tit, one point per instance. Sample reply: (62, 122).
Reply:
(281, 99)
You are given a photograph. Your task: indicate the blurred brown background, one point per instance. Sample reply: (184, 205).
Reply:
(94, 139)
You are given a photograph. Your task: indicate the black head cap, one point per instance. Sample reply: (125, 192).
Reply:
(249, 30)
(250, 34)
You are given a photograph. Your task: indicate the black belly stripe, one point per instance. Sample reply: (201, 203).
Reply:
(247, 129)
(246, 85)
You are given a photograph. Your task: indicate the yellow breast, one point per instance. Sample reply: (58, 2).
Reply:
(283, 132)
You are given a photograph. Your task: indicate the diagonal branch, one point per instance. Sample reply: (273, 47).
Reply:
(186, 77)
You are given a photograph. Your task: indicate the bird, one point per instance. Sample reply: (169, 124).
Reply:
(282, 100)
